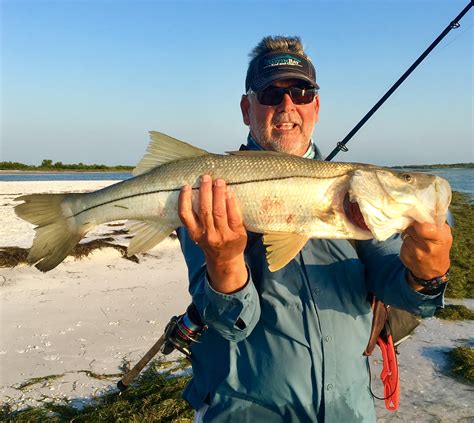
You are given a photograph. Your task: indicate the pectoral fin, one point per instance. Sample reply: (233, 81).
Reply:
(148, 234)
(282, 247)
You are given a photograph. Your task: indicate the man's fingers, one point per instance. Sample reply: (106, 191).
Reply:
(408, 233)
(425, 249)
(234, 217)
(205, 204)
(217, 214)
(219, 205)
(411, 240)
(185, 211)
(427, 233)
(433, 232)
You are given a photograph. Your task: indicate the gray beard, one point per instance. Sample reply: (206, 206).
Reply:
(276, 143)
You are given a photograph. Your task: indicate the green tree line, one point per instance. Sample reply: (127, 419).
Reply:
(436, 166)
(48, 164)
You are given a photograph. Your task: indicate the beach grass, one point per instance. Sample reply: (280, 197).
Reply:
(461, 284)
(455, 312)
(461, 361)
(155, 397)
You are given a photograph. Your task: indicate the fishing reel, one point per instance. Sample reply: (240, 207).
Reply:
(182, 331)
(179, 334)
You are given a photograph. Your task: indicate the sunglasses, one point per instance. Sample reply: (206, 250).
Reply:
(273, 96)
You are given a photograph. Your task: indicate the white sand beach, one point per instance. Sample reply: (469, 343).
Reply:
(94, 313)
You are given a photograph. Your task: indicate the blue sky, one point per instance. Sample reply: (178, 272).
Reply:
(84, 81)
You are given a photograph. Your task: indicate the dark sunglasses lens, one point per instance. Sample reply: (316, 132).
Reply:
(271, 96)
(302, 95)
(274, 96)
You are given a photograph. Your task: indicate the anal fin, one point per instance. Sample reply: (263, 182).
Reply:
(148, 234)
(282, 247)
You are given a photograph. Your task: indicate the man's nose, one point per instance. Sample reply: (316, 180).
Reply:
(286, 103)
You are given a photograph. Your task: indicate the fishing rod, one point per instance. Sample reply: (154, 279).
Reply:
(454, 24)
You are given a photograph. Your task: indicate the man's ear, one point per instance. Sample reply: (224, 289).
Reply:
(316, 105)
(244, 107)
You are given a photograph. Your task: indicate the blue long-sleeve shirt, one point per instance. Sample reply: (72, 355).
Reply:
(288, 347)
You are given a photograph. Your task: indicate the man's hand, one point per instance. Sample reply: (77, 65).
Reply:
(217, 227)
(425, 250)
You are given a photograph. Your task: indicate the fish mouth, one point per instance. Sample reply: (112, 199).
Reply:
(353, 214)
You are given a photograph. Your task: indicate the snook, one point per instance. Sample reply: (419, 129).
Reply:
(287, 198)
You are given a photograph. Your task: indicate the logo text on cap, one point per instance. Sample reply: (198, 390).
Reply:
(286, 60)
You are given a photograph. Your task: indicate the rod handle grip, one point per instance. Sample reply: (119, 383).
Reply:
(130, 376)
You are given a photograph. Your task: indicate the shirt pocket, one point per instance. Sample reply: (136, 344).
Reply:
(341, 287)
(282, 302)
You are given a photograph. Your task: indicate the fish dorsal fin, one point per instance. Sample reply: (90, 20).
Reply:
(163, 149)
(256, 153)
(148, 234)
(282, 247)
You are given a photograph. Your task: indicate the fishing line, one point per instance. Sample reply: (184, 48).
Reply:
(454, 24)
(440, 49)
(452, 41)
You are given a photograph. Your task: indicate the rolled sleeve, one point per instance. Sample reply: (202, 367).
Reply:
(232, 315)
(402, 295)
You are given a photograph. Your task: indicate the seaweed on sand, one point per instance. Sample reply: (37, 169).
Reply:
(155, 397)
(461, 284)
(461, 360)
(455, 312)
(13, 256)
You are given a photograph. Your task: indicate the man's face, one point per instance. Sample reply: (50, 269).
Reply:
(286, 127)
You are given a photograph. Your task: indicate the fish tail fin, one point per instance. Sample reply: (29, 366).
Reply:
(56, 232)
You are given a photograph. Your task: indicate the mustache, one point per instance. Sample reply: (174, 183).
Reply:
(286, 118)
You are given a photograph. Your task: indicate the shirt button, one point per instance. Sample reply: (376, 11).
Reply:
(317, 291)
(329, 387)
(328, 338)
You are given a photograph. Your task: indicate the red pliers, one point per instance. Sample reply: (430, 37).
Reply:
(380, 335)
(389, 374)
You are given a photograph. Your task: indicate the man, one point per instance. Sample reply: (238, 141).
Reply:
(288, 346)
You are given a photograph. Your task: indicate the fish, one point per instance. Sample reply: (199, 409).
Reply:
(288, 199)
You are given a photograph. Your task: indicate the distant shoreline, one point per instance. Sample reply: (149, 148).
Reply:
(437, 166)
(20, 171)
(126, 169)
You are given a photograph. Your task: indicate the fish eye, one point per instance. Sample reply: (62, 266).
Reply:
(407, 177)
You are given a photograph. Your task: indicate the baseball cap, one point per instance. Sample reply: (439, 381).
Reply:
(277, 65)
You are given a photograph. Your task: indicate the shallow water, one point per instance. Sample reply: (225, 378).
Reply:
(461, 179)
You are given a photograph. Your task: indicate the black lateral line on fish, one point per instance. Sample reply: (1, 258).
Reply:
(196, 188)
